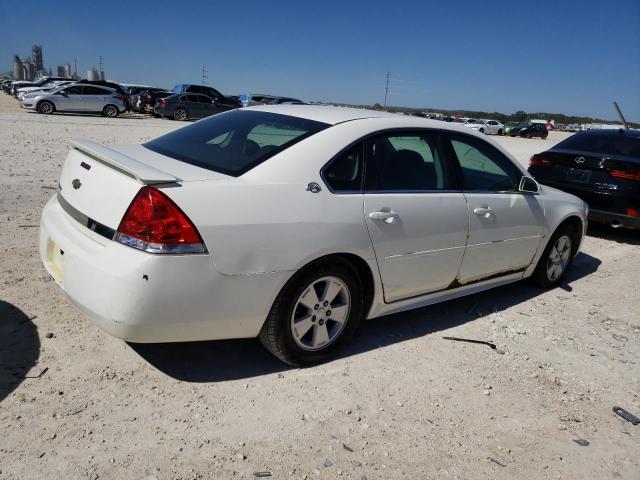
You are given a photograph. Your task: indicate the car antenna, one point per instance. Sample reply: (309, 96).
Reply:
(624, 122)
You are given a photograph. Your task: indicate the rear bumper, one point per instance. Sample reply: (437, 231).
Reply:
(140, 297)
(614, 219)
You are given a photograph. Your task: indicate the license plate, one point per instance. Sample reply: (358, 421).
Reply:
(578, 175)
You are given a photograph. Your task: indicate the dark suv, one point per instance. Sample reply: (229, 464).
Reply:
(227, 100)
(530, 130)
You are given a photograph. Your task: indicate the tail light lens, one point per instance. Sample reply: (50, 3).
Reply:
(537, 161)
(632, 212)
(119, 97)
(155, 224)
(625, 174)
(162, 101)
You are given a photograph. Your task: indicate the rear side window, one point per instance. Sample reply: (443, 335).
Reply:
(344, 174)
(411, 162)
(94, 91)
(235, 142)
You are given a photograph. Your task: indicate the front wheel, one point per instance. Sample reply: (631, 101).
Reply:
(316, 312)
(556, 258)
(45, 107)
(500, 132)
(110, 111)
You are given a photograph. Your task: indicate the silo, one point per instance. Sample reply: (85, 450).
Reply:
(17, 68)
(93, 75)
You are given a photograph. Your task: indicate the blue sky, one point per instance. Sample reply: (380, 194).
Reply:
(572, 57)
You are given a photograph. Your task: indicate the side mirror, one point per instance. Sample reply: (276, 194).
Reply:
(528, 185)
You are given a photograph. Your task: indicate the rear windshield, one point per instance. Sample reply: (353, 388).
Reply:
(235, 142)
(612, 143)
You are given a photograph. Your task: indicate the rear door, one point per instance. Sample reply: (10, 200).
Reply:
(94, 98)
(69, 99)
(416, 219)
(505, 225)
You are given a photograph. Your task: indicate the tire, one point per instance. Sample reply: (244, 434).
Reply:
(300, 346)
(481, 130)
(46, 107)
(110, 111)
(551, 256)
(180, 114)
(544, 137)
(500, 132)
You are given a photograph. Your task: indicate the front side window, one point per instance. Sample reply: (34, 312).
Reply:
(235, 142)
(405, 162)
(483, 167)
(344, 174)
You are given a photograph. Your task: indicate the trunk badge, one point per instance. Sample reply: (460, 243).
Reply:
(76, 183)
(580, 160)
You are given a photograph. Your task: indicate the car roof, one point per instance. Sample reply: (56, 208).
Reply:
(325, 113)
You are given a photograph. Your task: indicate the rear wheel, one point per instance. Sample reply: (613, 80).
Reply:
(315, 313)
(556, 258)
(180, 114)
(110, 111)
(45, 107)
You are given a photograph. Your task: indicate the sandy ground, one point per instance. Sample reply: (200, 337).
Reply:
(401, 402)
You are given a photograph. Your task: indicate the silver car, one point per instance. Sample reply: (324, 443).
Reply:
(77, 97)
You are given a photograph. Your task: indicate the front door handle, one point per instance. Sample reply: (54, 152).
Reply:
(388, 217)
(484, 211)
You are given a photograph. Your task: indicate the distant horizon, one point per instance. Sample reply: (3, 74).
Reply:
(472, 55)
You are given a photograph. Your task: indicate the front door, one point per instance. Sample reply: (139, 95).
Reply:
(417, 223)
(505, 225)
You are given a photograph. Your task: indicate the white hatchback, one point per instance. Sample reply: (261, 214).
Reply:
(293, 223)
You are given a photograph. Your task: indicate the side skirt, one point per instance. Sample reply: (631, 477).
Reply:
(443, 295)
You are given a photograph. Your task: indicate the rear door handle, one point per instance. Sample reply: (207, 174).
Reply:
(484, 211)
(388, 217)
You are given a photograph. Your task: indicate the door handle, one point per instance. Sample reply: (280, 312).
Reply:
(484, 211)
(388, 217)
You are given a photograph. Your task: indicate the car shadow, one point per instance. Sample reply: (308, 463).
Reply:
(19, 347)
(216, 361)
(620, 235)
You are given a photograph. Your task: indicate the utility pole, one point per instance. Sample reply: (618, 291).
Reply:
(204, 75)
(386, 90)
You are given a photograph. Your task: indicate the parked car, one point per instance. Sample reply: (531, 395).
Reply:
(488, 127)
(262, 99)
(509, 125)
(186, 106)
(600, 166)
(293, 223)
(530, 130)
(77, 97)
(143, 100)
(38, 83)
(210, 92)
(44, 88)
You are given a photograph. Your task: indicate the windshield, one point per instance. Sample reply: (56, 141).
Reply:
(235, 142)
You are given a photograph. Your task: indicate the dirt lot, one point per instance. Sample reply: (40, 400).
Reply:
(401, 402)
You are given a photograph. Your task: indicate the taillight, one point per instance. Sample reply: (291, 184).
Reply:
(119, 97)
(625, 174)
(537, 161)
(632, 212)
(155, 224)
(162, 101)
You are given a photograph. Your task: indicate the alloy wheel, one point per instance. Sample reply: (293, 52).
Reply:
(46, 107)
(180, 114)
(110, 111)
(320, 313)
(559, 258)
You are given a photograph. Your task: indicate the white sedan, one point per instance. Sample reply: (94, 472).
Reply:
(488, 127)
(293, 223)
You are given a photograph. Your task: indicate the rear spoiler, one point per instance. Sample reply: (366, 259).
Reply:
(142, 172)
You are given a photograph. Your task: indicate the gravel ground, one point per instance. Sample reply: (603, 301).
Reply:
(401, 402)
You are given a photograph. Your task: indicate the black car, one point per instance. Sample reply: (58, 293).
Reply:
(600, 166)
(211, 92)
(184, 106)
(144, 99)
(530, 130)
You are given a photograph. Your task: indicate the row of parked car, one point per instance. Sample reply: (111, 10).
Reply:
(183, 102)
